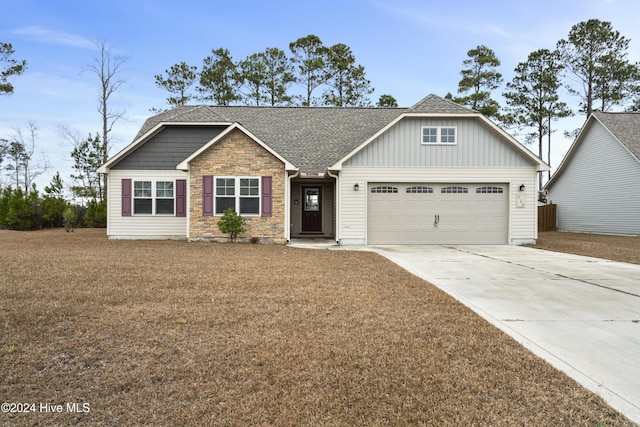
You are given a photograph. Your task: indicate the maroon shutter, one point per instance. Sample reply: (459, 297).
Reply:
(266, 196)
(181, 197)
(126, 197)
(207, 195)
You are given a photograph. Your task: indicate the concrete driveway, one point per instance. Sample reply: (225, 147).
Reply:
(580, 314)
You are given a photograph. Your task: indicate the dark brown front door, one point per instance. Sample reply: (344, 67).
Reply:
(312, 209)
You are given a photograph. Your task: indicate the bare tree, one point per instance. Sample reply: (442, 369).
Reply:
(108, 67)
(20, 152)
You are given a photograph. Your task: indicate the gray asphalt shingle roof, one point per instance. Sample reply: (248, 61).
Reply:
(311, 138)
(625, 127)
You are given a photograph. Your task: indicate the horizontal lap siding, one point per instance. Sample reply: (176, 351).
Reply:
(141, 226)
(597, 192)
(522, 221)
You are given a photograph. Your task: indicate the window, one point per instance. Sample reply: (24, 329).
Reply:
(225, 194)
(429, 135)
(489, 190)
(454, 190)
(240, 194)
(144, 197)
(249, 196)
(384, 189)
(164, 197)
(448, 135)
(419, 189)
(438, 135)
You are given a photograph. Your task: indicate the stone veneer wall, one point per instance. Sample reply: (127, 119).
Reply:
(237, 155)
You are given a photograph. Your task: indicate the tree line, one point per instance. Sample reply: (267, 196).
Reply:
(266, 78)
(591, 63)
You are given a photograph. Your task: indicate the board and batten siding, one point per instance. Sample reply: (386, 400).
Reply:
(477, 146)
(142, 226)
(522, 221)
(598, 190)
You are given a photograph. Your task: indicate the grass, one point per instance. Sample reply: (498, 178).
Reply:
(176, 333)
(616, 248)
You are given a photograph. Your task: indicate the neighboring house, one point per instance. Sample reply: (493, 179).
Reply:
(434, 173)
(596, 186)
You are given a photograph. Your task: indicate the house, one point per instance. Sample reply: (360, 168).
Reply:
(596, 186)
(435, 173)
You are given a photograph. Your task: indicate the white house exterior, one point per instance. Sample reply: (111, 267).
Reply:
(596, 186)
(436, 173)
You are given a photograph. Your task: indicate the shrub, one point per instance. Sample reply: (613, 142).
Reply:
(231, 223)
(96, 215)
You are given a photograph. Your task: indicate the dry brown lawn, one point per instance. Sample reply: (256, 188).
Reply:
(616, 248)
(176, 333)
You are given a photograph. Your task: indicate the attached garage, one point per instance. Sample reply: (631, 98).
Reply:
(427, 213)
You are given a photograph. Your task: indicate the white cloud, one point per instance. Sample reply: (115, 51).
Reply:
(45, 35)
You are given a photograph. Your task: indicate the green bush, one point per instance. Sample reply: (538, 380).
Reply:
(231, 223)
(96, 214)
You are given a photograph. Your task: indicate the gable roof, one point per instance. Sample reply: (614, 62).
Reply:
(624, 127)
(311, 139)
(433, 104)
(184, 164)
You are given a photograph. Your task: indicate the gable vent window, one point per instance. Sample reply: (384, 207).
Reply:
(439, 135)
(454, 190)
(489, 190)
(419, 189)
(384, 189)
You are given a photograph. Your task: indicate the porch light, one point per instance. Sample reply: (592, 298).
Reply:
(356, 187)
(521, 187)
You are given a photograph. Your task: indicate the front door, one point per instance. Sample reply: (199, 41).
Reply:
(312, 209)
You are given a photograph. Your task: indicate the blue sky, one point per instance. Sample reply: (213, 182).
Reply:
(409, 48)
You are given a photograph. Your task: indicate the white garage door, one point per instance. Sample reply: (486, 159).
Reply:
(419, 213)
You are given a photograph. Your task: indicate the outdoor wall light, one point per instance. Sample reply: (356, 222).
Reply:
(521, 187)
(356, 187)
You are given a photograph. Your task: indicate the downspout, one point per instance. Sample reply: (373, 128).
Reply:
(287, 203)
(338, 197)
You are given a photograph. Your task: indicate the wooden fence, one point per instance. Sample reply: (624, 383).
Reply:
(547, 217)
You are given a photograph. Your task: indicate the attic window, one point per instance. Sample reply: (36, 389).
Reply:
(436, 135)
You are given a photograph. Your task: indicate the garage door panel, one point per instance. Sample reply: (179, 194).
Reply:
(425, 213)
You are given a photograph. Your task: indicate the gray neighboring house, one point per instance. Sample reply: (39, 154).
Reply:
(435, 173)
(597, 186)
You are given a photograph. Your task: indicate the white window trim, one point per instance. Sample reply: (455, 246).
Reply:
(153, 197)
(439, 135)
(237, 195)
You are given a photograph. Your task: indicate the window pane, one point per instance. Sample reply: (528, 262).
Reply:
(142, 189)
(224, 203)
(249, 187)
(164, 206)
(250, 205)
(225, 186)
(429, 135)
(448, 135)
(164, 189)
(142, 206)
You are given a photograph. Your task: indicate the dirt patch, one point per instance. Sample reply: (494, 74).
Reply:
(176, 333)
(616, 248)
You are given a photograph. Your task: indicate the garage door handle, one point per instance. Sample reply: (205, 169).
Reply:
(436, 220)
